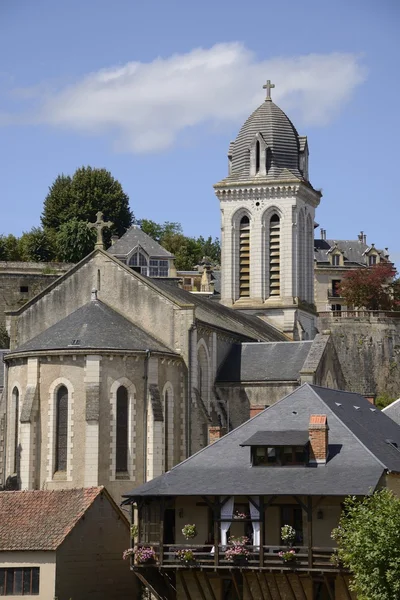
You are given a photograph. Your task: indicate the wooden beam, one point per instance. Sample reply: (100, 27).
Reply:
(277, 586)
(289, 586)
(216, 531)
(198, 585)
(251, 501)
(207, 501)
(309, 531)
(257, 578)
(301, 588)
(328, 587)
(149, 586)
(303, 506)
(262, 530)
(348, 595)
(247, 585)
(235, 583)
(209, 586)
(270, 501)
(167, 580)
(161, 533)
(184, 584)
(269, 594)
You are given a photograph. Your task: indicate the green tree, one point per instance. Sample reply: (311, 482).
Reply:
(10, 248)
(81, 196)
(74, 241)
(38, 245)
(368, 538)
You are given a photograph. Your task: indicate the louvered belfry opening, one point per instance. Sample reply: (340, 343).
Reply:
(244, 258)
(274, 256)
(61, 429)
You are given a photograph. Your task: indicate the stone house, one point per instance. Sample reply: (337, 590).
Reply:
(332, 260)
(63, 544)
(291, 464)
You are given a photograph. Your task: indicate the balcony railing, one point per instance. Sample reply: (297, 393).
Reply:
(266, 557)
(360, 314)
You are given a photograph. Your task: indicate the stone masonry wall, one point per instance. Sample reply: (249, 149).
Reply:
(368, 349)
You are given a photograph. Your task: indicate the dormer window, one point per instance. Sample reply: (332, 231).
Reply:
(372, 260)
(278, 448)
(336, 260)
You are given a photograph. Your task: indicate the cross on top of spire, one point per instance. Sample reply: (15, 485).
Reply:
(268, 86)
(99, 225)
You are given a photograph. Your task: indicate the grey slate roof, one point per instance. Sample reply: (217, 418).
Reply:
(358, 452)
(93, 326)
(217, 315)
(291, 437)
(280, 136)
(268, 361)
(393, 411)
(136, 237)
(353, 251)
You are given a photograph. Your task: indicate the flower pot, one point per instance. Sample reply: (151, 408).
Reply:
(240, 560)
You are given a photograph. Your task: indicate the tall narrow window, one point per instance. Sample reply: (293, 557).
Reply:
(61, 429)
(244, 258)
(257, 156)
(15, 396)
(274, 257)
(166, 431)
(268, 160)
(122, 430)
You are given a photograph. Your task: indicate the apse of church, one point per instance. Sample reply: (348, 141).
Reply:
(267, 233)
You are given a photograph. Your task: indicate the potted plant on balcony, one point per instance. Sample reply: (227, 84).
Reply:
(288, 535)
(189, 531)
(287, 555)
(237, 553)
(141, 554)
(240, 515)
(186, 556)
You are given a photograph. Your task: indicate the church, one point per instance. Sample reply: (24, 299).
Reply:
(115, 373)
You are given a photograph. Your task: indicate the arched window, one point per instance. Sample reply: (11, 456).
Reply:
(244, 257)
(139, 262)
(258, 150)
(274, 256)
(166, 430)
(121, 462)
(268, 160)
(61, 429)
(15, 398)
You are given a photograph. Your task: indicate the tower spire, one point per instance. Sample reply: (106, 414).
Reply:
(268, 86)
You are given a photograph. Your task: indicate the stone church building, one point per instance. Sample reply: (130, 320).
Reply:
(115, 373)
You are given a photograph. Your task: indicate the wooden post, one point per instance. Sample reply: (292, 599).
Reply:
(309, 531)
(198, 585)
(184, 584)
(216, 531)
(260, 590)
(209, 586)
(262, 530)
(247, 585)
(161, 535)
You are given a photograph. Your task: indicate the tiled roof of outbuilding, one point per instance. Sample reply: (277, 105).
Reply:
(360, 450)
(41, 520)
(93, 326)
(135, 237)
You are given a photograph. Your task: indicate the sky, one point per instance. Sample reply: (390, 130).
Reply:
(155, 90)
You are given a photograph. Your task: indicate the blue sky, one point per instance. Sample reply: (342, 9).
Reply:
(155, 90)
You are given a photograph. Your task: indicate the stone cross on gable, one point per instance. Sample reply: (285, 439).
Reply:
(99, 225)
(268, 86)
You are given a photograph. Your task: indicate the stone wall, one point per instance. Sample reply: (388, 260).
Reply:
(368, 349)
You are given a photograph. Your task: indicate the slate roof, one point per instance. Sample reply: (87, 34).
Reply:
(353, 251)
(393, 411)
(39, 519)
(93, 326)
(136, 237)
(268, 361)
(279, 135)
(291, 437)
(217, 315)
(358, 452)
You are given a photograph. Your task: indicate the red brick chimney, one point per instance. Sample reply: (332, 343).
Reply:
(255, 409)
(215, 433)
(318, 434)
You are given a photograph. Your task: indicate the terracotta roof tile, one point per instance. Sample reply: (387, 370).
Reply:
(41, 520)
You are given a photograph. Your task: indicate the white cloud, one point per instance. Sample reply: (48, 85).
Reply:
(147, 105)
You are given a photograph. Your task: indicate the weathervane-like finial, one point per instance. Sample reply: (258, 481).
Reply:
(268, 86)
(99, 225)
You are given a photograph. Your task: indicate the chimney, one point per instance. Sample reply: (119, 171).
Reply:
(361, 236)
(365, 238)
(215, 433)
(371, 398)
(323, 234)
(318, 435)
(255, 409)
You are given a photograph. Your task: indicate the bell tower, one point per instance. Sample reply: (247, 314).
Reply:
(267, 223)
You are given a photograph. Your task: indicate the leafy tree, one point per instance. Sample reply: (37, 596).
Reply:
(38, 245)
(383, 401)
(368, 539)
(4, 339)
(371, 288)
(74, 240)
(10, 248)
(81, 196)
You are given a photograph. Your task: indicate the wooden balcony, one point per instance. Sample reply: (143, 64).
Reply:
(266, 558)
